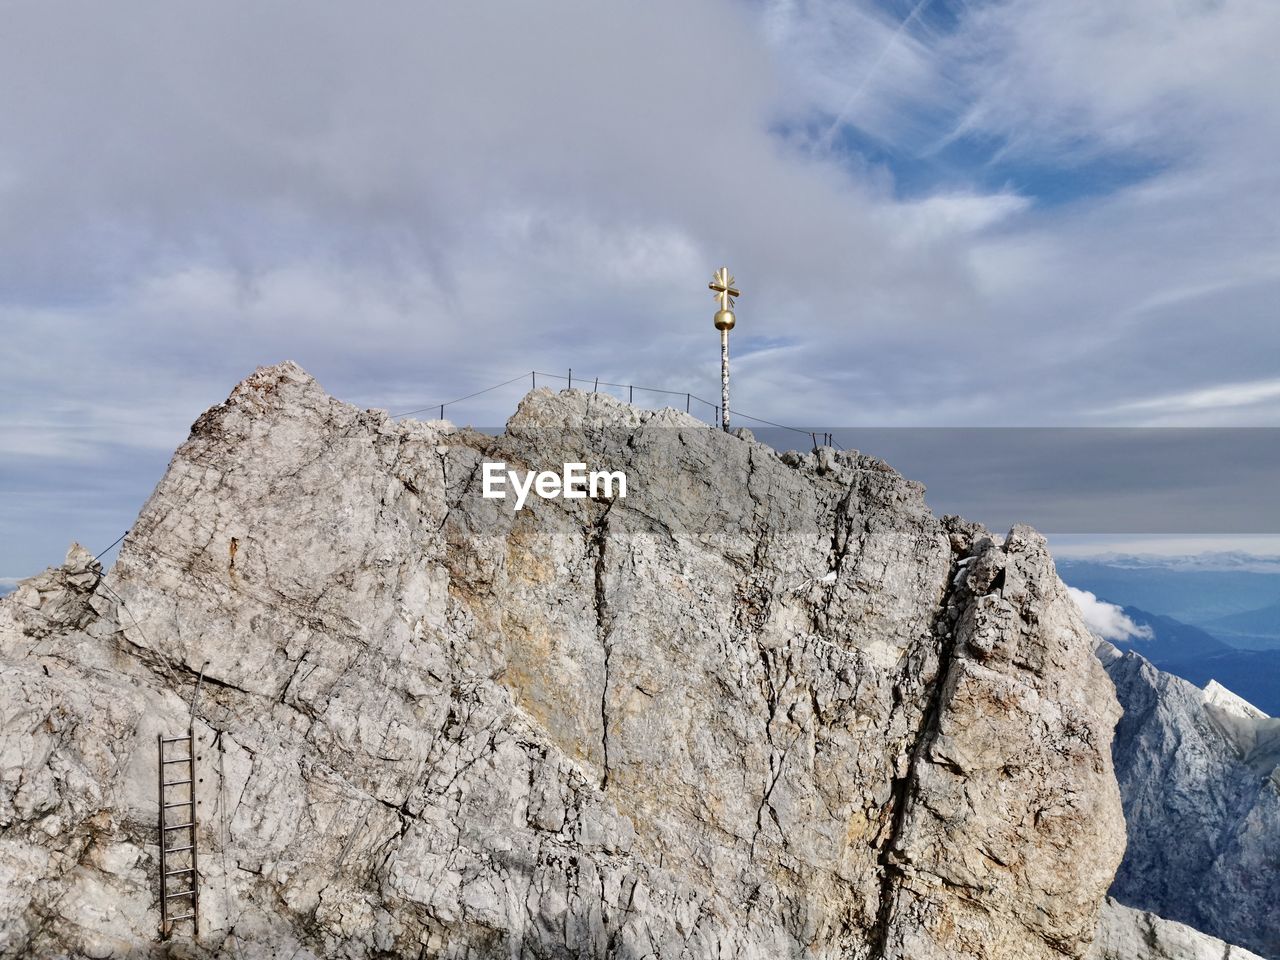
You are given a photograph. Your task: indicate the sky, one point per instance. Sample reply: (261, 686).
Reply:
(948, 214)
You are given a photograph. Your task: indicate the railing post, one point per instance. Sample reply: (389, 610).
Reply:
(571, 378)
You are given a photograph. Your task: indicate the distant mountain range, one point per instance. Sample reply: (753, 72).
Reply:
(1253, 629)
(1176, 587)
(1228, 560)
(1211, 617)
(1171, 639)
(1197, 656)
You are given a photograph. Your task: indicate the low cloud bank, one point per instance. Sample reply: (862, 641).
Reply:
(1106, 620)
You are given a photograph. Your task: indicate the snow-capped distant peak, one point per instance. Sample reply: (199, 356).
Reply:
(1219, 696)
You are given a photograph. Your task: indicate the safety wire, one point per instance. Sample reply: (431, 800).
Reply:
(596, 383)
(225, 830)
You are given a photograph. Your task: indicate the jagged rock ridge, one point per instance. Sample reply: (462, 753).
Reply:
(1199, 771)
(765, 706)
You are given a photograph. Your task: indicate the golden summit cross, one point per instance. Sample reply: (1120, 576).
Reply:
(725, 292)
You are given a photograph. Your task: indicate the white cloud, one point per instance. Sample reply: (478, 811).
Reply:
(857, 63)
(414, 204)
(954, 214)
(1226, 395)
(1161, 76)
(1106, 620)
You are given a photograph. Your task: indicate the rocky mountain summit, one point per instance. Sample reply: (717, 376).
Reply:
(763, 706)
(1199, 771)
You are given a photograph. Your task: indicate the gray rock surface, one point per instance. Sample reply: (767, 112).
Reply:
(1199, 771)
(765, 706)
(1128, 934)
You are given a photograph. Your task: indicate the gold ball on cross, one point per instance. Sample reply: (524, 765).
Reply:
(725, 319)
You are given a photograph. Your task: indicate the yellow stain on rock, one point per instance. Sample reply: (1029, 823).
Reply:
(856, 829)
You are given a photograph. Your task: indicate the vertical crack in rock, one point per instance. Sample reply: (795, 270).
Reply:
(842, 524)
(604, 625)
(772, 698)
(942, 633)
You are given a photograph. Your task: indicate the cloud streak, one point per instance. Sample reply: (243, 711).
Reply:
(1225, 396)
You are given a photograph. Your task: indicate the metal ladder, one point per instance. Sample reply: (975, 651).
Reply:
(178, 839)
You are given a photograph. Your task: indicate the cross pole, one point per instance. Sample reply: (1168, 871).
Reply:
(722, 285)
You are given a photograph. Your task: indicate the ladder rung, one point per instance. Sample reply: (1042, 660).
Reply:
(181, 826)
(189, 846)
(177, 760)
(174, 873)
(185, 916)
(177, 739)
(180, 893)
(180, 803)
(177, 783)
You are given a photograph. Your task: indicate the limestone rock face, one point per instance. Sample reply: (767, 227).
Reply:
(763, 706)
(1128, 934)
(1200, 774)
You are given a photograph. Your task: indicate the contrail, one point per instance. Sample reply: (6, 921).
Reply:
(827, 137)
